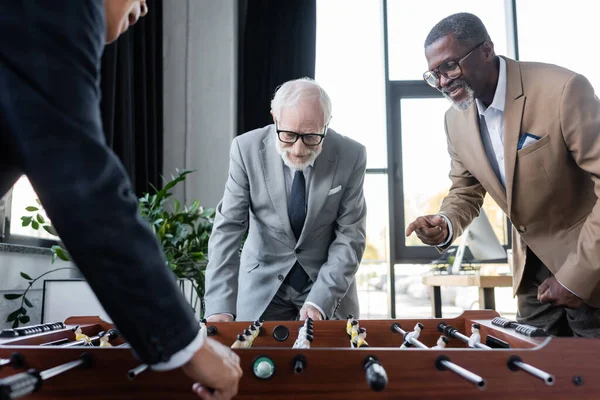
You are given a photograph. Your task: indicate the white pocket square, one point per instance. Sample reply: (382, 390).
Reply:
(334, 190)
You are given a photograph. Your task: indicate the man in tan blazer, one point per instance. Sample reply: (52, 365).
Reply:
(527, 134)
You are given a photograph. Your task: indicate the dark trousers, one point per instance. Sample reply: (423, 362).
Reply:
(558, 321)
(51, 130)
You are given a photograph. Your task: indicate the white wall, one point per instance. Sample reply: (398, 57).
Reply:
(200, 94)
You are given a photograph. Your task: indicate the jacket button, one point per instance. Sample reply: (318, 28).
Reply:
(298, 251)
(280, 277)
(522, 229)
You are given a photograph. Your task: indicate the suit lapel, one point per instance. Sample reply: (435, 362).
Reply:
(488, 177)
(272, 165)
(320, 184)
(513, 115)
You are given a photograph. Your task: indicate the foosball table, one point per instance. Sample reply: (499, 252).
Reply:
(475, 355)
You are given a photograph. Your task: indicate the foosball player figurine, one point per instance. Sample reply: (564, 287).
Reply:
(360, 338)
(240, 343)
(353, 333)
(441, 343)
(414, 334)
(104, 341)
(305, 342)
(80, 336)
(475, 335)
(349, 325)
(248, 335)
(253, 331)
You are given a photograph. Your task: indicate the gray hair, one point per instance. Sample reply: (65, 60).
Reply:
(466, 28)
(289, 93)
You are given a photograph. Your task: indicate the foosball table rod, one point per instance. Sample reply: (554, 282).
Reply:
(19, 385)
(134, 372)
(514, 362)
(16, 359)
(443, 362)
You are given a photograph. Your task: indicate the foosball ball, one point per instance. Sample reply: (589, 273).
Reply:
(476, 355)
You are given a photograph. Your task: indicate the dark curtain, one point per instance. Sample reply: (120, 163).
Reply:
(132, 95)
(277, 43)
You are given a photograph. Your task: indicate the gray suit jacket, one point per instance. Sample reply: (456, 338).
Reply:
(330, 247)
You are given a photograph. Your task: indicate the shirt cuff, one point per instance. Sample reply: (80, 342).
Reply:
(568, 288)
(310, 303)
(226, 313)
(449, 224)
(182, 356)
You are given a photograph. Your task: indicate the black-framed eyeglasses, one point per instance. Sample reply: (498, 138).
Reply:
(450, 69)
(309, 139)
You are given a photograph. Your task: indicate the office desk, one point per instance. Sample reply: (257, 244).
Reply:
(485, 283)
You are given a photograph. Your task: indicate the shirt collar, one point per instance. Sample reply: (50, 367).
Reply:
(500, 95)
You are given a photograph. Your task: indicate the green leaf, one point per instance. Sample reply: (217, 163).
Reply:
(50, 229)
(14, 315)
(31, 208)
(12, 296)
(15, 324)
(27, 302)
(61, 253)
(26, 221)
(40, 219)
(38, 201)
(24, 275)
(35, 225)
(24, 319)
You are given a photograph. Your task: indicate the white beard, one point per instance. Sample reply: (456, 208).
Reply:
(284, 153)
(465, 104)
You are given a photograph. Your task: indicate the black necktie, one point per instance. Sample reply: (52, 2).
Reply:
(297, 204)
(297, 278)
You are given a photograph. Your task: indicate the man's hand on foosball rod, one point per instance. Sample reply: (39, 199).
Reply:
(309, 311)
(216, 370)
(431, 229)
(552, 292)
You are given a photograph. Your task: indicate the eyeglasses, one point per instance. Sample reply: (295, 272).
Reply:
(309, 139)
(450, 69)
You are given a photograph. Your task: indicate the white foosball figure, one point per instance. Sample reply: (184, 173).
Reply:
(104, 341)
(441, 343)
(305, 342)
(305, 335)
(414, 335)
(475, 335)
(203, 331)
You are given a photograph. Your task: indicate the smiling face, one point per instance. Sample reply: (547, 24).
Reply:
(121, 14)
(473, 74)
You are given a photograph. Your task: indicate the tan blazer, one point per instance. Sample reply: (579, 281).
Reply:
(552, 185)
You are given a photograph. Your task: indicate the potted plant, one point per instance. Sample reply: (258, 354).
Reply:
(182, 231)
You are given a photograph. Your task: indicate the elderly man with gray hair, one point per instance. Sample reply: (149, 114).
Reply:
(296, 188)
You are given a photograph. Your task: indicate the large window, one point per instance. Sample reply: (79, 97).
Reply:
(559, 35)
(409, 22)
(19, 198)
(350, 66)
